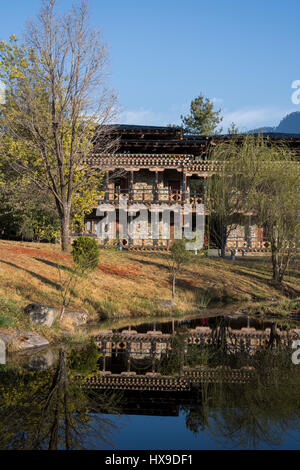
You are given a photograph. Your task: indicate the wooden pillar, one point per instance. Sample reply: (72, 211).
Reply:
(128, 356)
(188, 191)
(156, 187)
(130, 217)
(131, 183)
(106, 198)
(130, 239)
(204, 189)
(183, 194)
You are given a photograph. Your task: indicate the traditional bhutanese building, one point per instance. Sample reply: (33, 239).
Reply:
(161, 165)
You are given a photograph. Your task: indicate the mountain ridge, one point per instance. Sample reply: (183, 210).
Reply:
(290, 124)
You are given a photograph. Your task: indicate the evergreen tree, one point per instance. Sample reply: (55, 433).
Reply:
(202, 118)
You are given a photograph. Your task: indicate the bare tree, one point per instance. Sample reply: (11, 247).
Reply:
(57, 105)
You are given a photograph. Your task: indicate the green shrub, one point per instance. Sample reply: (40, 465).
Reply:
(86, 253)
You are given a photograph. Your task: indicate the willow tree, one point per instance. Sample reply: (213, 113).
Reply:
(223, 198)
(56, 105)
(275, 201)
(262, 178)
(223, 204)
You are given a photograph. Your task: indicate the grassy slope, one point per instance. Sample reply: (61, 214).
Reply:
(128, 284)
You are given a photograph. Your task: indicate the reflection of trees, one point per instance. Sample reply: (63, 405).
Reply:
(48, 410)
(253, 414)
(197, 416)
(172, 360)
(220, 333)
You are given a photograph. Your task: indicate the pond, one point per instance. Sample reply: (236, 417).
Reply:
(225, 382)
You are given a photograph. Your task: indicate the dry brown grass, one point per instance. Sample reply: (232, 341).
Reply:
(131, 284)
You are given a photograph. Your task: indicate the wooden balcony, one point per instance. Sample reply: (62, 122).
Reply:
(151, 196)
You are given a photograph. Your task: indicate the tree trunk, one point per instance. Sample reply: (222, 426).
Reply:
(276, 268)
(223, 241)
(65, 233)
(62, 313)
(173, 287)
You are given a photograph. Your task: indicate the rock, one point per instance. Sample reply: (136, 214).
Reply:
(17, 340)
(41, 314)
(43, 360)
(166, 303)
(74, 318)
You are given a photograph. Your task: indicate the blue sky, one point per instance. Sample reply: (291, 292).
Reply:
(242, 54)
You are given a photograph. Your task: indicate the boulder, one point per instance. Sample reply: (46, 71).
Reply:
(74, 318)
(41, 314)
(43, 360)
(17, 340)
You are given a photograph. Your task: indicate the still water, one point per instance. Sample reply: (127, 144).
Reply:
(205, 383)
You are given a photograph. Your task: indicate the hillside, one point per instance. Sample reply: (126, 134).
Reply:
(128, 284)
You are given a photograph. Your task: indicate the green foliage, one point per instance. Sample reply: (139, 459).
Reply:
(202, 118)
(179, 256)
(23, 216)
(178, 253)
(86, 253)
(26, 211)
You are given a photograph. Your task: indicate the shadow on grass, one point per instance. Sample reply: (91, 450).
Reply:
(144, 262)
(282, 288)
(54, 265)
(33, 274)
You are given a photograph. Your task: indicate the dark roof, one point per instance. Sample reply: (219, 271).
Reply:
(176, 129)
(171, 140)
(143, 128)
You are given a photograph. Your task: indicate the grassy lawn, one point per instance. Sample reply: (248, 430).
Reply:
(131, 284)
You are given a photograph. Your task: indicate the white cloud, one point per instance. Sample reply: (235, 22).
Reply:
(250, 118)
(245, 118)
(148, 117)
(139, 116)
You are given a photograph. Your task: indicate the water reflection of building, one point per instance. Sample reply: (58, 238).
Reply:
(154, 343)
(129, 359)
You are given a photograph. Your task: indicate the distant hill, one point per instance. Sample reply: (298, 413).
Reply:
(262, 129)
(290, 124)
